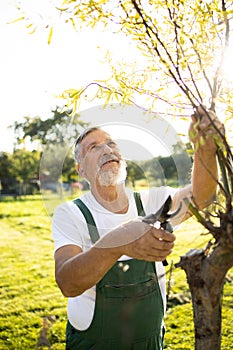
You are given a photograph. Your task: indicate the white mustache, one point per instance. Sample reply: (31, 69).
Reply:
(108, 158)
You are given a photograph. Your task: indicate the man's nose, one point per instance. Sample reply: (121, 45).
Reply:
(107, 149)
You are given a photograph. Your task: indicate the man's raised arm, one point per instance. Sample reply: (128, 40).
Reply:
(204, 175)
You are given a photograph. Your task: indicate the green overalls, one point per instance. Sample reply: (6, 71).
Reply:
(128, 308)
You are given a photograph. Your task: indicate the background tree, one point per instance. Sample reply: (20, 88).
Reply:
(59, 128)
(25, 164)
(134, 172)
(26, 168)
(57, 160)
(7, 175)
(19, 171)
(53, 135)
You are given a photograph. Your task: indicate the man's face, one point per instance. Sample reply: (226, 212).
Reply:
(101, 160)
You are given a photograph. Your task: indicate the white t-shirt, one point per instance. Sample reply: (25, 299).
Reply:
(69, 227)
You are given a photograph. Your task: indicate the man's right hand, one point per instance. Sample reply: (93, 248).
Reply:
(139, 241)
(154, 245)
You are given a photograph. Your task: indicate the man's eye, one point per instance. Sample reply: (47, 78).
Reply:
(94, 147)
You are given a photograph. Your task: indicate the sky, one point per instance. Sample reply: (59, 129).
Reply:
(34, 73)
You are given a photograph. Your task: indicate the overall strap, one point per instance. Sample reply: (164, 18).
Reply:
(93, 232)
(139, 205)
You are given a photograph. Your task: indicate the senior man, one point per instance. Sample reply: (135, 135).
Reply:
(108, 262)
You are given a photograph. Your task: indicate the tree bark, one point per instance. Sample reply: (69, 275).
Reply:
(205, 275)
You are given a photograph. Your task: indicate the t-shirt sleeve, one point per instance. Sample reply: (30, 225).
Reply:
(69, 227)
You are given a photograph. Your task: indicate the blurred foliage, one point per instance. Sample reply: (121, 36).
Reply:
(60, 128)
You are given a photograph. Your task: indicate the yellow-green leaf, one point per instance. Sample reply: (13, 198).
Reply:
(17, 20)
(50, 35)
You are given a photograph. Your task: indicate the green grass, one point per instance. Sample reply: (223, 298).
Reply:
(33, 306)
(27, 286)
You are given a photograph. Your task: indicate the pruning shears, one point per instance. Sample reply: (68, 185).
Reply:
(163, 216)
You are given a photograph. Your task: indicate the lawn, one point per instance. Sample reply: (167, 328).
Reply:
(33, 310)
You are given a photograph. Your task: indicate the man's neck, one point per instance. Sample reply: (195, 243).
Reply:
(112, 198)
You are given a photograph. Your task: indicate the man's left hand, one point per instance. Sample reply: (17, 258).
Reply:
(205, 129)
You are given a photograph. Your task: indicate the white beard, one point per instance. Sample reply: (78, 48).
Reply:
(112, 177)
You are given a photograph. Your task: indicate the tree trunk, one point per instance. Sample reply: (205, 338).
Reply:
(205, 275)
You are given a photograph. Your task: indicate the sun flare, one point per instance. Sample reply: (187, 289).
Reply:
(227, 67)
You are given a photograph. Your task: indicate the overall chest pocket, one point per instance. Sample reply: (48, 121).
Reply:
(131, 290)
(133, 311)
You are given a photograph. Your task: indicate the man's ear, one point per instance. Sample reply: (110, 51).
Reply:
(80, 170)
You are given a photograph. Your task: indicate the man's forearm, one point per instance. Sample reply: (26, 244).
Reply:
(202, 188)
(84, 270)
(204, 177)
(204, 128)
(81, 270)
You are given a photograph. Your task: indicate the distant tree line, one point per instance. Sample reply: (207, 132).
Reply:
(25, 170)
(19, 171)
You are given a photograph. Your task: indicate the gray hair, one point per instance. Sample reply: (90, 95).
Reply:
(81, 137)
